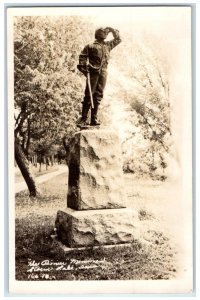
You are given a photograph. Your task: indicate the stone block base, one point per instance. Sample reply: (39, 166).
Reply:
(95, 171)
(96, 227)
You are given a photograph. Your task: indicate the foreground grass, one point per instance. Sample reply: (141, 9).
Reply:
(151, 257)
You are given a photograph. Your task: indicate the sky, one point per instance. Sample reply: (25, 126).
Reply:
(135, 19)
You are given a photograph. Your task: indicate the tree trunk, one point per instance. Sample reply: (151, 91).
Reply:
(52, 160)
(153, 160)
(66, 144)
(35, 160)
(24, 167)
(28, 139)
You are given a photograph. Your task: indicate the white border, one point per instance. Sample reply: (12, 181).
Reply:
(197, 105)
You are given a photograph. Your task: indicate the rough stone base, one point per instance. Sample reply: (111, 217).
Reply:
(96, 227)
(95, 171)
(67, 249)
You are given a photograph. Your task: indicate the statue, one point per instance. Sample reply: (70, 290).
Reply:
(93, 62)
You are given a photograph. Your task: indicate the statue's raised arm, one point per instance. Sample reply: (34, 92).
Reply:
(117, 39)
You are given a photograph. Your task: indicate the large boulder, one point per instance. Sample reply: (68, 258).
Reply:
(96, 227)
(95, 171)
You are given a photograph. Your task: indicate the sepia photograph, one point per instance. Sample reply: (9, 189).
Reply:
(100, 149)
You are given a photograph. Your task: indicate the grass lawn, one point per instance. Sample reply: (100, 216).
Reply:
(154, 256)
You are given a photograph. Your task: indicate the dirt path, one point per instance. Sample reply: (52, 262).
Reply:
(21, 186)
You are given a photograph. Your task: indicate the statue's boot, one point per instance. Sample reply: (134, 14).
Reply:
(83, 120)
(94, 111)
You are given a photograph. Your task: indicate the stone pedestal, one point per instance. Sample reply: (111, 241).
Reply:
(96, 199)
(95, 171)
(96, 227)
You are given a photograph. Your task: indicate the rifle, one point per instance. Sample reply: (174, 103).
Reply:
(90, 90)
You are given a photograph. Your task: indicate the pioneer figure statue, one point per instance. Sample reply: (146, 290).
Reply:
(93, 62)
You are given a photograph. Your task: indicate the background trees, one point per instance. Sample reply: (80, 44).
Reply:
(49, 88)
(141, 92)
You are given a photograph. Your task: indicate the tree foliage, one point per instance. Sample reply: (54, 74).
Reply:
(140, 87)
(47, 87)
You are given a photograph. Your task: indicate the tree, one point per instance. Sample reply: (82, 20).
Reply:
(140, 104)
(24, 167)
(47, 86)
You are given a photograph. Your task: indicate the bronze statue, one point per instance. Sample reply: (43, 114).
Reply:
(93, 62)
